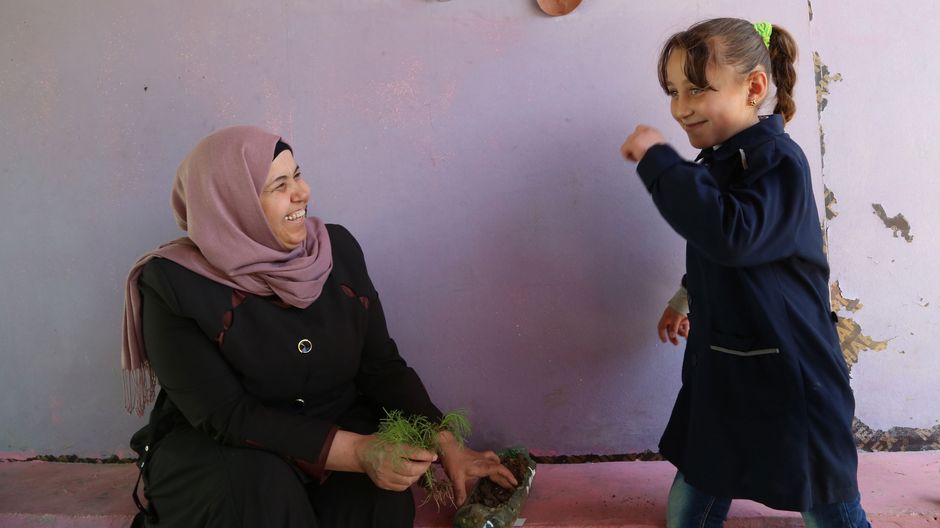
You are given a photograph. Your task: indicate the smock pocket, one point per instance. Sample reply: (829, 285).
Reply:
(750, 376)
(743, 346)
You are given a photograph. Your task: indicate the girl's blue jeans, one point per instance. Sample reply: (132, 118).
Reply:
(690, 508)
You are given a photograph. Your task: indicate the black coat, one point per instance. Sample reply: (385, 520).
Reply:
(765, 408)
(251, 371)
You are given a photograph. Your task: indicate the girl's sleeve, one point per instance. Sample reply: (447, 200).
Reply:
(384, 376)
(202, 386)
(680, 301)
(753, 222)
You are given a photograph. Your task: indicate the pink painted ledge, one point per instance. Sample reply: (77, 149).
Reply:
(898, 489)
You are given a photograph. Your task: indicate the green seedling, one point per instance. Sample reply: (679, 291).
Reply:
(398, 432)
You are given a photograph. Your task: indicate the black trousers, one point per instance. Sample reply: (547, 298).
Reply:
(192, 481)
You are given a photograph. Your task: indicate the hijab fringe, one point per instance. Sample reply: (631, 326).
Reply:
(139, 388)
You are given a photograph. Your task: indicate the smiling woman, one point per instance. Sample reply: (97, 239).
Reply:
(270, 345)
(284, 199)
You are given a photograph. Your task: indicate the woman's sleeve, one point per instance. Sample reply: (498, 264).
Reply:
(204, 388)
(747, 224)
(384, 376)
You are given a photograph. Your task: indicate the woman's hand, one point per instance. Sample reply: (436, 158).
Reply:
(462, 463)
(672, 325)
(644, 137)
(392, 468)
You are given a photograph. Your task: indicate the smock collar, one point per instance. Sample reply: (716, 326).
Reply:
(771, 125)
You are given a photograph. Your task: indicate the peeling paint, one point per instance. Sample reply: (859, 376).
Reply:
(854, 342)
(825, 237)
(897, 223)
(851, 339)
(830, 202)
(823, 78)
(896, 438)
(822, 144)
(830, 214)
(839, 302)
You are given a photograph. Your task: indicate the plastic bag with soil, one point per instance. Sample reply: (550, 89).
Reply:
(492, 506)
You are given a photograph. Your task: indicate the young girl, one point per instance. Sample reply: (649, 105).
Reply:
(765, 408)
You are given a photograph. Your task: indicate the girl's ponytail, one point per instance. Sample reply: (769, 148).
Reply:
(783, 53)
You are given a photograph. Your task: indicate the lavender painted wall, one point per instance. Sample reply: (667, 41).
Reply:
(880, 149)
(472, 146)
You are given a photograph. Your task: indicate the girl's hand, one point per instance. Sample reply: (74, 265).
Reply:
(644, 137)
(462, 463)
(673, 324)
(389, 467)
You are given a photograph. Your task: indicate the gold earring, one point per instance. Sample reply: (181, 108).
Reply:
(752, 102)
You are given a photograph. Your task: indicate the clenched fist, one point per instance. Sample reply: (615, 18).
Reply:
(644, 137)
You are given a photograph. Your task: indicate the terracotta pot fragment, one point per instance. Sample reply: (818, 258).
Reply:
(558, 7)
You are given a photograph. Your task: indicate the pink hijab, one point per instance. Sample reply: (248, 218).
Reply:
(215, 199)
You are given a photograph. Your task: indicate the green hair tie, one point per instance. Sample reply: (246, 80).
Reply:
(764, 29)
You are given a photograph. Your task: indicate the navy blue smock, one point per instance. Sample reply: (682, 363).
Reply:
(765, 409)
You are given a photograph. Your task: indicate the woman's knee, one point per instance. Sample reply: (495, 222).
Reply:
(353, 500)
(209, 484)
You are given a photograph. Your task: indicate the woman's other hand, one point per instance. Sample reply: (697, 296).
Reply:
(644, 137)
(672, 325)
(463, 463)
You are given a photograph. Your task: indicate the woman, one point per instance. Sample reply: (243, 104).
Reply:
(270, 345)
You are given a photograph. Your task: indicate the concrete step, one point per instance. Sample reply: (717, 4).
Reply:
(898, 490)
